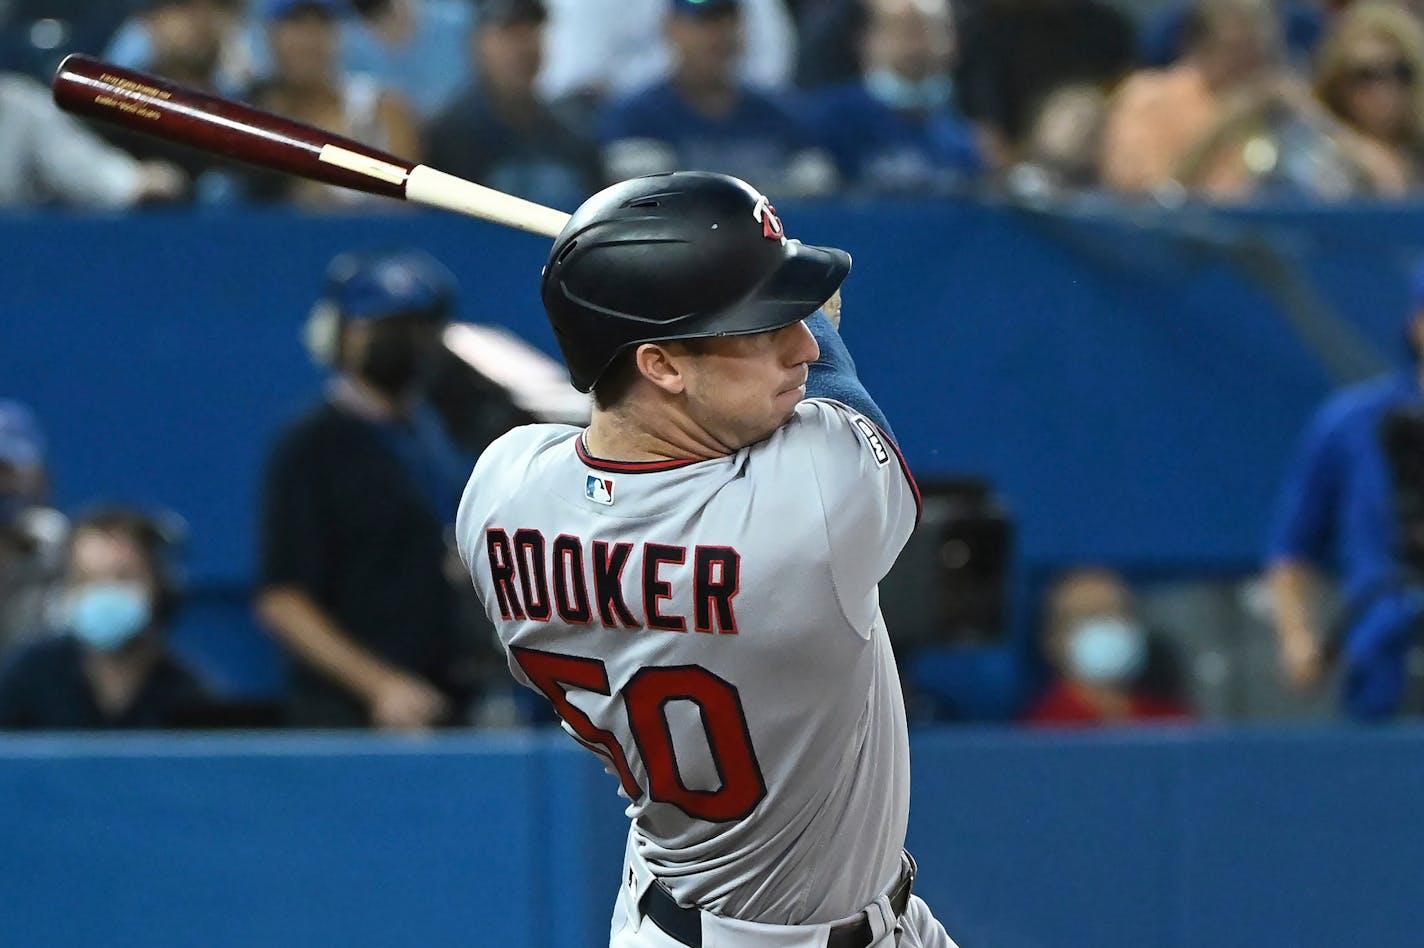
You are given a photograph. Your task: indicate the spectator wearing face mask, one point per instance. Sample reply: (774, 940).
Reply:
(359, 496)
(112, 667)
(897, 131)
(31, 533)
(1102, 656)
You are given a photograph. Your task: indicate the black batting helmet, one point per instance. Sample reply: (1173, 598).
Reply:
(677, 256)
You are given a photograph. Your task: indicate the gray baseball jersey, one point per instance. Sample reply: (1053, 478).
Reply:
(712, 629)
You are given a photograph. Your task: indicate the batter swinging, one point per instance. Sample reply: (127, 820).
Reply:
(691, 580)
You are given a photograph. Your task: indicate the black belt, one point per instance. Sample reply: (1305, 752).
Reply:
(685, 924)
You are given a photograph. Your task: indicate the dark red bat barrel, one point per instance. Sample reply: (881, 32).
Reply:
(153, 106)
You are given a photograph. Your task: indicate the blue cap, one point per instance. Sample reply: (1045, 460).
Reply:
(281, 9)
(390, 283)
(701, 8)
(21, 441)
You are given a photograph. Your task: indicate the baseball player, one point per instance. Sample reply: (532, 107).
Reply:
(691, 580)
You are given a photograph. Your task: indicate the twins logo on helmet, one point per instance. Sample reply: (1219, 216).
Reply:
(765, 214)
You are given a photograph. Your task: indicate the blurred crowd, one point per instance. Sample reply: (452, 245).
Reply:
(1228, 100)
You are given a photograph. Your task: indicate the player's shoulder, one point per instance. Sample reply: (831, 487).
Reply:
(526, 442)
(512, 456)
(825, 422)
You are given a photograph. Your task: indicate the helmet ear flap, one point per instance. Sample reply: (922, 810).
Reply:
(322, 333)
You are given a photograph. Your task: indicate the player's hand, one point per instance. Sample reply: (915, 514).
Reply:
(407, 703)
(1302, 663)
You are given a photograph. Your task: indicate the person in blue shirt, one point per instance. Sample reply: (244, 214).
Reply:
(897, 130)
(1341, 508)
(704, 118)
(499, 132)
(416, 47)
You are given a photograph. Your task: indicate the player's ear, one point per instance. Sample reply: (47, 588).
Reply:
(659, 366)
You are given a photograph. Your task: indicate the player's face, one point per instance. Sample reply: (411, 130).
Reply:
(742, 388)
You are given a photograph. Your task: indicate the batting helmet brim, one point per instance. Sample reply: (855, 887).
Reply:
(804, 281)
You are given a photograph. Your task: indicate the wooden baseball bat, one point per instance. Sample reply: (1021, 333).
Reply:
(153, 106)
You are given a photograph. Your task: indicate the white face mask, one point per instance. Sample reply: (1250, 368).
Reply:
(1107, 650)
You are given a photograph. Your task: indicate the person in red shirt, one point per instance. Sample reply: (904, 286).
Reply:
(1100, 651)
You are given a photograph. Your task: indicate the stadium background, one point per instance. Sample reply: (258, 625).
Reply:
(1130, 380)
(1102, 397)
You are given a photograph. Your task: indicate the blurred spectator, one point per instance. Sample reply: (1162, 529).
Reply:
(1102, 657)
(1164, 35)
(498, 132)
(704, 118)
(1371, 78)
(359, 495)
(1230, 120)
(828, 41)
(31, 532)
(185, 44)
(1014, 53)
(1353, 499)
(112, 667)
(47, 156)
(204, 43)
(602, 50)
(897, 131)
(1063, 149)
(413, 47)
(36, 34)
(308, 85)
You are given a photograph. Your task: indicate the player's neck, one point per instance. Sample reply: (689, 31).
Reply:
(629, 434)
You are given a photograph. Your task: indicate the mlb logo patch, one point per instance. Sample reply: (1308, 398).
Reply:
(599, 489)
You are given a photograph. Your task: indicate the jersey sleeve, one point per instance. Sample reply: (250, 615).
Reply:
(867, 496)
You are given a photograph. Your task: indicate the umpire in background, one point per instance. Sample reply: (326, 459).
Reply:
(1354, 500)
(359, 495)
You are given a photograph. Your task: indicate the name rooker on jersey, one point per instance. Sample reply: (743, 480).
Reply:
(534, 579)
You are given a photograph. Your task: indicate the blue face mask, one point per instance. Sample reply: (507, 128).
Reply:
(1107, 650)
(895, 91)
(107, 616)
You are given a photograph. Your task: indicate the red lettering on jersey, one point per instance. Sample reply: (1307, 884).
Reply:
(728, 737)
(533, 575)
(716, 580)
(608, 568)
(655, 590)
(550, 672)
(501, 564)
(570, 587)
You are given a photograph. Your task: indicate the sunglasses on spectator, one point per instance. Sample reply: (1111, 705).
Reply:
(1399, 72)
